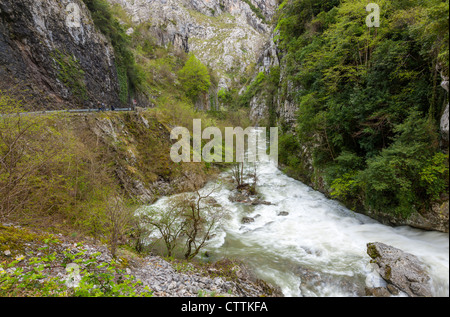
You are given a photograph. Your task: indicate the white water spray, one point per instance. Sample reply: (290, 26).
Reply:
(316, 247)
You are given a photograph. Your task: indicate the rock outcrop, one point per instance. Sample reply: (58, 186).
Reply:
(56, 61)
(283, 101)
(402, 271)
(444, 118)
(445, 124)
(161, 276)
(435, 219)
(131, 136)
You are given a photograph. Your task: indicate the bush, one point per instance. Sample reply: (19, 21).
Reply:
(369, 102)
(399, 179)
(71, 75)
(252, 90)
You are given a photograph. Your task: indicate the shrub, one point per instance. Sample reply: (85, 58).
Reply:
(399, 179)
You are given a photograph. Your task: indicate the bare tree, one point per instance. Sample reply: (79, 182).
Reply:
(189, 217)
(201, 218)
(237, 171)
(139, 233)
(169, 222)
(22, 154)
(118, 220)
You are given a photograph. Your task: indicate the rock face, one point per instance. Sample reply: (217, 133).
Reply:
(39, 48)
(435, 219)
(445, 118)
(400, 270)
(226, 34)
(284, 101)
(130, 165)
(445, 125)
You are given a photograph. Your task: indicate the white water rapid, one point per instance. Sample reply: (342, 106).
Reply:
(316, 247)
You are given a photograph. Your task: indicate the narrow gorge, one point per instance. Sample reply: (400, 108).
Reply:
(91, 91)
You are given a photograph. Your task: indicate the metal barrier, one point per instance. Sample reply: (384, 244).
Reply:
(44, 112)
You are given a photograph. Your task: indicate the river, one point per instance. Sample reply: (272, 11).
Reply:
(317, 247)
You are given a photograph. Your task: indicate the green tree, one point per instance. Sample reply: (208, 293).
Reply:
(194, 77)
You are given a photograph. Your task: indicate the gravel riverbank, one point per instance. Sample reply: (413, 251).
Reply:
(164, 278)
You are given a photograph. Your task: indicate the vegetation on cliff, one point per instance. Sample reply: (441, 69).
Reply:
(129, 73)
(369, 101)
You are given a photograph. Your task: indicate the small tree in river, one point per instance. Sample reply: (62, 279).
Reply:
(189, 217)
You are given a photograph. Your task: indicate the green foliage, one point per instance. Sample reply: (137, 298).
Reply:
(71, 74)
(370, 99)
(288, 150)
(225, 96)
(31, 276)
(395, 179)
(254, 87)
(194, 77)
(345, 187)
(256, 10)
(123, 84)
(434, 175)
(430, 28)
(103, 279)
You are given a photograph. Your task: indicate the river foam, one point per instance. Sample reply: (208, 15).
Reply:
(318, 236)
(316, 246)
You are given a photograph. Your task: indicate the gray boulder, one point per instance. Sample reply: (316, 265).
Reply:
(400, 269)
(248, 220)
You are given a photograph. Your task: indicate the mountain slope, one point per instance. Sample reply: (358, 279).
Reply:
(227, 35)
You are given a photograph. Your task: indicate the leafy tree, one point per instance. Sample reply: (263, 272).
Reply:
(194, 77)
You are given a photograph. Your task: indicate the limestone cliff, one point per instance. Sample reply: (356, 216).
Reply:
(228, 35)
(53, 63)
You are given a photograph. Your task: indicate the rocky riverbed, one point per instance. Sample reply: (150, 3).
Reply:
(187, 280)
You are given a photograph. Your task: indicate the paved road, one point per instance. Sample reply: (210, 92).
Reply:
(44, 112)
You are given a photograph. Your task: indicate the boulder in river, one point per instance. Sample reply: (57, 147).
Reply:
(258, 201)
(239, 198)
(400, 269)
(248, 220)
